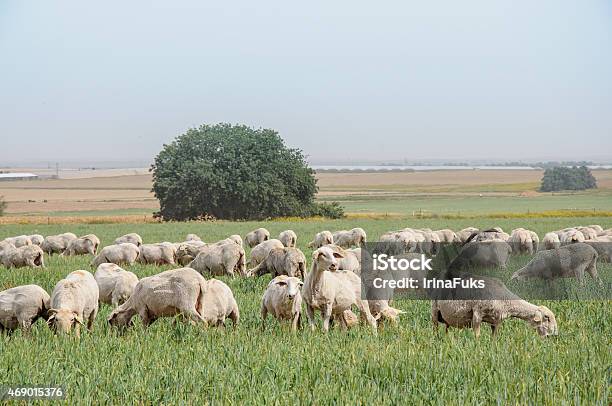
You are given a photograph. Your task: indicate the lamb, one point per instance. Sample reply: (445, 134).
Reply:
(288, 238)
(19, 241)
(115, 284)
(158, 254)
(333, 291)
(261, 251)
(225, 259)
(87, 244)
(256, 237)
(25, 256)
(565, 262)
(347, 239)
(169, 293)
(282, 261)
(36, 239)
(321, 239)
(74, 300)
(551, 241)
(283, 300)
(124, 253)
(471, 313)
(57, 243)
(219, 304)
(21, 306)
(521, 241)
(193, 237)
(131, 238)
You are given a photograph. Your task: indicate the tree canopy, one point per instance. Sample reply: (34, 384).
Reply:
(233, 172)
(566, 178)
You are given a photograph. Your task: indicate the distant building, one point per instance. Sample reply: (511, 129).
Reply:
(17, 176)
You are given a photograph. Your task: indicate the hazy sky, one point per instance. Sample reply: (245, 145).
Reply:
(343, 80)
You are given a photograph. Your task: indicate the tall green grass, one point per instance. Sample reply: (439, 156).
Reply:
(178, 363)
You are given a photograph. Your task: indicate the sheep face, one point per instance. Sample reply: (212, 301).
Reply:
(63, 320)
(326, 259)
(292, 286)
(544, 322)
(120, 318)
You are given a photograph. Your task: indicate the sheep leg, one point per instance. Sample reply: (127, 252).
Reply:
(90, 320)
(343, 325)
(193, 315)
(494, 328)
(579, 273)
(327, 313)
(296, 321)
(310, 315)
(264, 315)
(476, 321)
(592, 270)
(365, 315)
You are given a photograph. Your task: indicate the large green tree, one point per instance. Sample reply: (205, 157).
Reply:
(566, 178)
(232, 172)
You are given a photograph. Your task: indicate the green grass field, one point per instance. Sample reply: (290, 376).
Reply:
(171, 363)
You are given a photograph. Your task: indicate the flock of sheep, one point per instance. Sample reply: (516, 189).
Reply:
(332, 287)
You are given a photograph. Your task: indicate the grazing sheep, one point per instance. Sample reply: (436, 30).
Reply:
(217, 260)
(5, 248)
(256, 237)
(466, 233)
(236, 239)
(115, 284)
(87, 244)
(428, 242)
(219, 304)
(492, 234)
(565, 262)
(261, 251)
(132, 238)
(25, 256)
(347, 239)
(124, 253)
(321, 239)
(447, 236)
(588, 233)
(169, 293)
(57, 243)
(158, 254)
(19, 241)
(188, 250)
(282, 261)
(288, 238)
(21, 306)
(333, 291)
(493, 253)
(551, 241)
(472, 313)
(74, 300)
(603, 246)
(381, 311)
(193, 237)
(36, 239)
(571, 236)
(283, 300)
(521, 241)
(401, 241)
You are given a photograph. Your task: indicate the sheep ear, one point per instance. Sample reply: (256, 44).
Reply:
(338, 255)
(300, 283)
(281, 283)
(538, 317)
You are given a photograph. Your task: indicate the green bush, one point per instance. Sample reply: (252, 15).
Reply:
(565, 178)
(232, 172)
(332, 210)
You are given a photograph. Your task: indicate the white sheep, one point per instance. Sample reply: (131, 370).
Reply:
(283, 300)
(333, 291)
(21, 306)
(25, 256)
(217, 260)
(87, 244)
(124, 253)
(347, 239)
(158, 254)
(132, 238)
(288, 238)
(74, 300)
(322, 238)
(261, 251)
(256, 237)
(115, 284)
